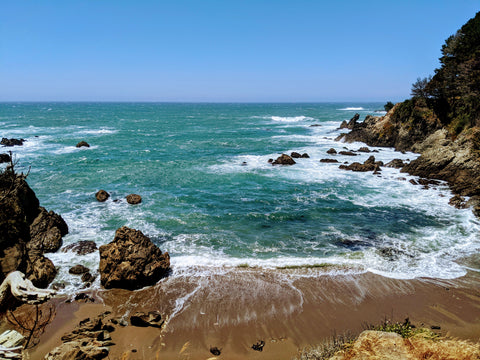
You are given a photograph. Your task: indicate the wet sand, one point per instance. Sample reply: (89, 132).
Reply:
(287, 309)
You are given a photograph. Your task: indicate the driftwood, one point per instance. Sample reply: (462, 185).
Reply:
(11, 344)
(23, 289)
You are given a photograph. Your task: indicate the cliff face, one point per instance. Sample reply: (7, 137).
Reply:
(20, 217)
(442, 119)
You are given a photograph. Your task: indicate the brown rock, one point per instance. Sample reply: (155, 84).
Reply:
(134, 199)
(347, 153)
(152, 318)
(40, 270)
(395, 163)
(369, 165)
(47, 230)
(82, 247)
(131, 261)
(82, 144)
(284, 160)
(102, 195)
(364, 149)
(328, 161)
(458, 201)
(295, 155)
(331, 151)
(78, 270)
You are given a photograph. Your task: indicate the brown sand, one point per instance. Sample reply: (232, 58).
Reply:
(287, 309)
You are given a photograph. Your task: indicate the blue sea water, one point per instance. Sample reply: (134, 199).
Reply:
(211, 199)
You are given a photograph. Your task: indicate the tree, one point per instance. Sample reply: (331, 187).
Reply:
(388, 106)
(419, 88)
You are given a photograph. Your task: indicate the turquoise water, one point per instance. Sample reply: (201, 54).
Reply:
(211, 199)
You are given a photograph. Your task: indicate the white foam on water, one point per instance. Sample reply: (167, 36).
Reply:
(352, 109)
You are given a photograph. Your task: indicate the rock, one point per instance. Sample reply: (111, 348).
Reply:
(40, 270)
(344, 125)
(82, 144)
(132, 261)
(296, 155)
(353, 121)
(364, 149)
(134, 199)
(413, 182)
(369, 165)
(458, 201)
(377, 345)
(258, 346)
(395, 163)
(102, 195)
(88, 278)
(11, 338)
(5, 158)
(152, 318)
(12, 142)
(88, 341)
(315, 125)
(328, 161)
(347, 153)
(331, 151)
(78, 270)
(83, 297)
(284, 160)
(82, 247)
(47, 230)
(270, 161)
(215, 351)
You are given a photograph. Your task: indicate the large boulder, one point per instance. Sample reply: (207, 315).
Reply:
(47, 230)
(40, 270)
(131, 261)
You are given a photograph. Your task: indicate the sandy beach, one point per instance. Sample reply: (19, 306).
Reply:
(285, 309)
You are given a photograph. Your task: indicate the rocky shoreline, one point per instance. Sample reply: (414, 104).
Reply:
(455, 160)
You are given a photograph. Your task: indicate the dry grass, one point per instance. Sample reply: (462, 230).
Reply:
(421, 344)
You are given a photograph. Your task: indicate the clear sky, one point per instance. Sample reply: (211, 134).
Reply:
(205, 50)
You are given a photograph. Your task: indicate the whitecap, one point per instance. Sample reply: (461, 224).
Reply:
(352, 109)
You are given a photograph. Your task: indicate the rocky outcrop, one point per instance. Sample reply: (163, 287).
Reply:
(82, 144)
(21, 217)
(457, 162)
(90, 340)
(132, 261)
(82, 247)
(12, 142)
(369, 165)
(404, 125)
(284, 159)
(331, 151)
(102, 195)
(134, 199)
(351, 124)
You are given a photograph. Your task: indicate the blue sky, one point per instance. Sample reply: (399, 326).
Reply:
(252, 51)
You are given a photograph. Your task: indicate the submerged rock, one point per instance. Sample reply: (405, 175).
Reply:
(82, 247)
(131, 261)
(78, 270)
(328, 161)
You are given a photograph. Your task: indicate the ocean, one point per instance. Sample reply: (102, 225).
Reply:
(212, 200)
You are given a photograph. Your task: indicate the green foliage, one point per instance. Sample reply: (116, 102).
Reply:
(454, 90)
(388, 106)
(419, 88)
